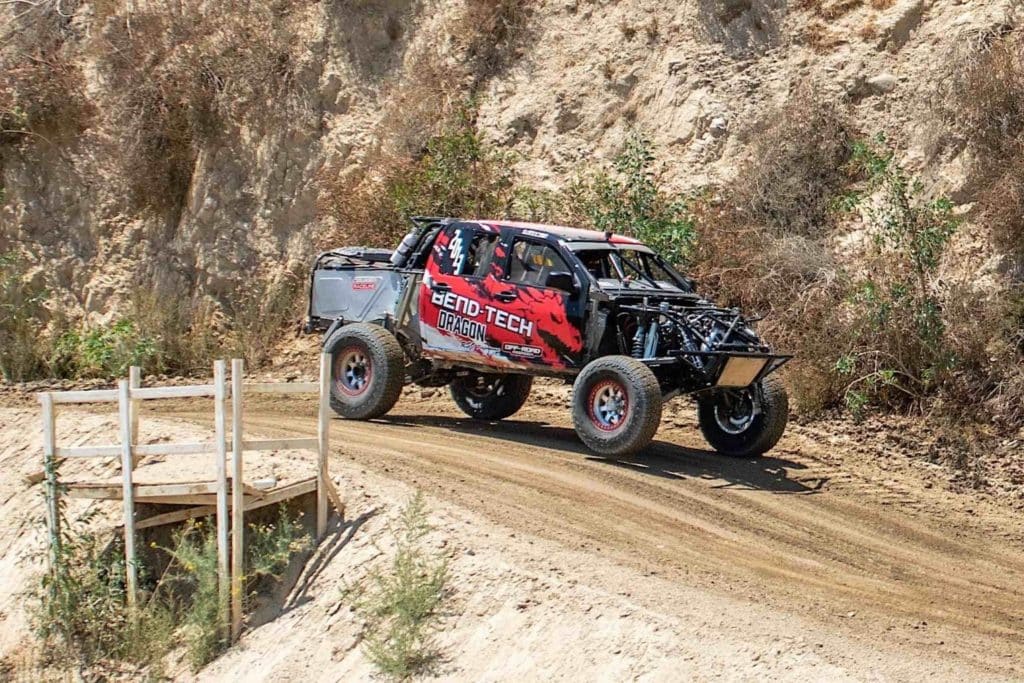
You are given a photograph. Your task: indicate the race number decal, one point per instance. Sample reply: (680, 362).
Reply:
(457, 252)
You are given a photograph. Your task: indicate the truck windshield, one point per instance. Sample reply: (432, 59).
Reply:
(617, 268)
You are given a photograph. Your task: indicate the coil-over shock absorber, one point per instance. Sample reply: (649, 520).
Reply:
(638, 341)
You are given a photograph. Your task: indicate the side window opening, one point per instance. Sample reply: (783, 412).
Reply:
(480, 254)
(470, 253)
(533, 262)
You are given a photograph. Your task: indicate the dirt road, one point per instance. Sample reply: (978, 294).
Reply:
(814, 530)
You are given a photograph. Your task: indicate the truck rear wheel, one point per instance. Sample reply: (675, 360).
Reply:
(745, 422)
(367, 371)
(490, 397)
(616, 405)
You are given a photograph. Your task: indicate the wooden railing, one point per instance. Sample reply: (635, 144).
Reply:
(230, 489)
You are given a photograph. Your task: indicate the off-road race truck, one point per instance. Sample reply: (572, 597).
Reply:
(485, 306)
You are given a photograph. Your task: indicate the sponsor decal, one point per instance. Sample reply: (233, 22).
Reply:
(464, 327)
(468, 318)
(365, 283)
(522, 350)
(535, 233)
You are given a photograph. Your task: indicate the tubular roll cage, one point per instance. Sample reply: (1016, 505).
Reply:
(724, 349)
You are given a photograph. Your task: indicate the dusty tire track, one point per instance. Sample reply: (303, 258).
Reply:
(771, 530)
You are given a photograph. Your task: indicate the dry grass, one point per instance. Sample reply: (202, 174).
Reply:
(795, 167)
(180, 79)
(982, 107)
(42, 91)
(981, 100)
(791, 280)
(492, 32)
(457, 174)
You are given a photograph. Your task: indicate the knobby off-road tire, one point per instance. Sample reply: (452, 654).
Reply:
(490, 397)
(731, 431)
(367, 371)
(616, 405)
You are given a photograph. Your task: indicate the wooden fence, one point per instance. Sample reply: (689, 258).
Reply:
(229, 486)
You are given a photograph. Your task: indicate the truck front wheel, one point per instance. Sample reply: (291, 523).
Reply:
(367, 371)
(745, 422)
(490, 397)
(616, 405)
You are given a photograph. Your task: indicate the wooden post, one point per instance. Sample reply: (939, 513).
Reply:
(237, 501)
(220, 399)
(323, 446)
(135, 382)
(127, 493)
(50, 470)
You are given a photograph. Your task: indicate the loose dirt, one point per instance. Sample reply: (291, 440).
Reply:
(813, 550)
(832, 558)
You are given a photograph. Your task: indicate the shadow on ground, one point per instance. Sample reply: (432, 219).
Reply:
(661, 459)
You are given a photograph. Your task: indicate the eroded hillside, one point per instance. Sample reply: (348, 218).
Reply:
(198, 154)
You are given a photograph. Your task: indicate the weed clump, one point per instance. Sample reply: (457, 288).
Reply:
(80, 611)
(103, 351)
(401, 604)
(897, 347)
(80, 606)
(24, 346)
(981, 107)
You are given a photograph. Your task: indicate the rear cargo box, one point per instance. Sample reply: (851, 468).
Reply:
(357, 285)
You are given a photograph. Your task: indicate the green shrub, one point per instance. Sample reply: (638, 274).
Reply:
(104, 351)
(24, 342)
(457, 174)
(269, 548)
(195, 556)
(401, 605)
(80, 611)
(630, 200)
(897, 346)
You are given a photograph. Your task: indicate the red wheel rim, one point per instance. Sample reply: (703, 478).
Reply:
(353, 371)
(608, 405)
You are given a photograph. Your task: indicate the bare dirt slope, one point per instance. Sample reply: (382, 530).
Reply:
(815, 562)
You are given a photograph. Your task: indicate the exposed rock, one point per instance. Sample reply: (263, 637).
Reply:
(881, 84)
(718, 127)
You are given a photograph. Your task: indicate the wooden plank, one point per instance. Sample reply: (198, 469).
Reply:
(309, 444)
(85, 396)
(50, 472)
(112, 492)
(175, 516)
(280, 387)
(88, 451)
(223, 523)
(335, 497)
(180, 448)
(177, 489)
(251, 491)
(237, 499)
(194, 391)
(124, 411)
(184, 499)
(298, 488)
(323, 445)
(134, 382)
